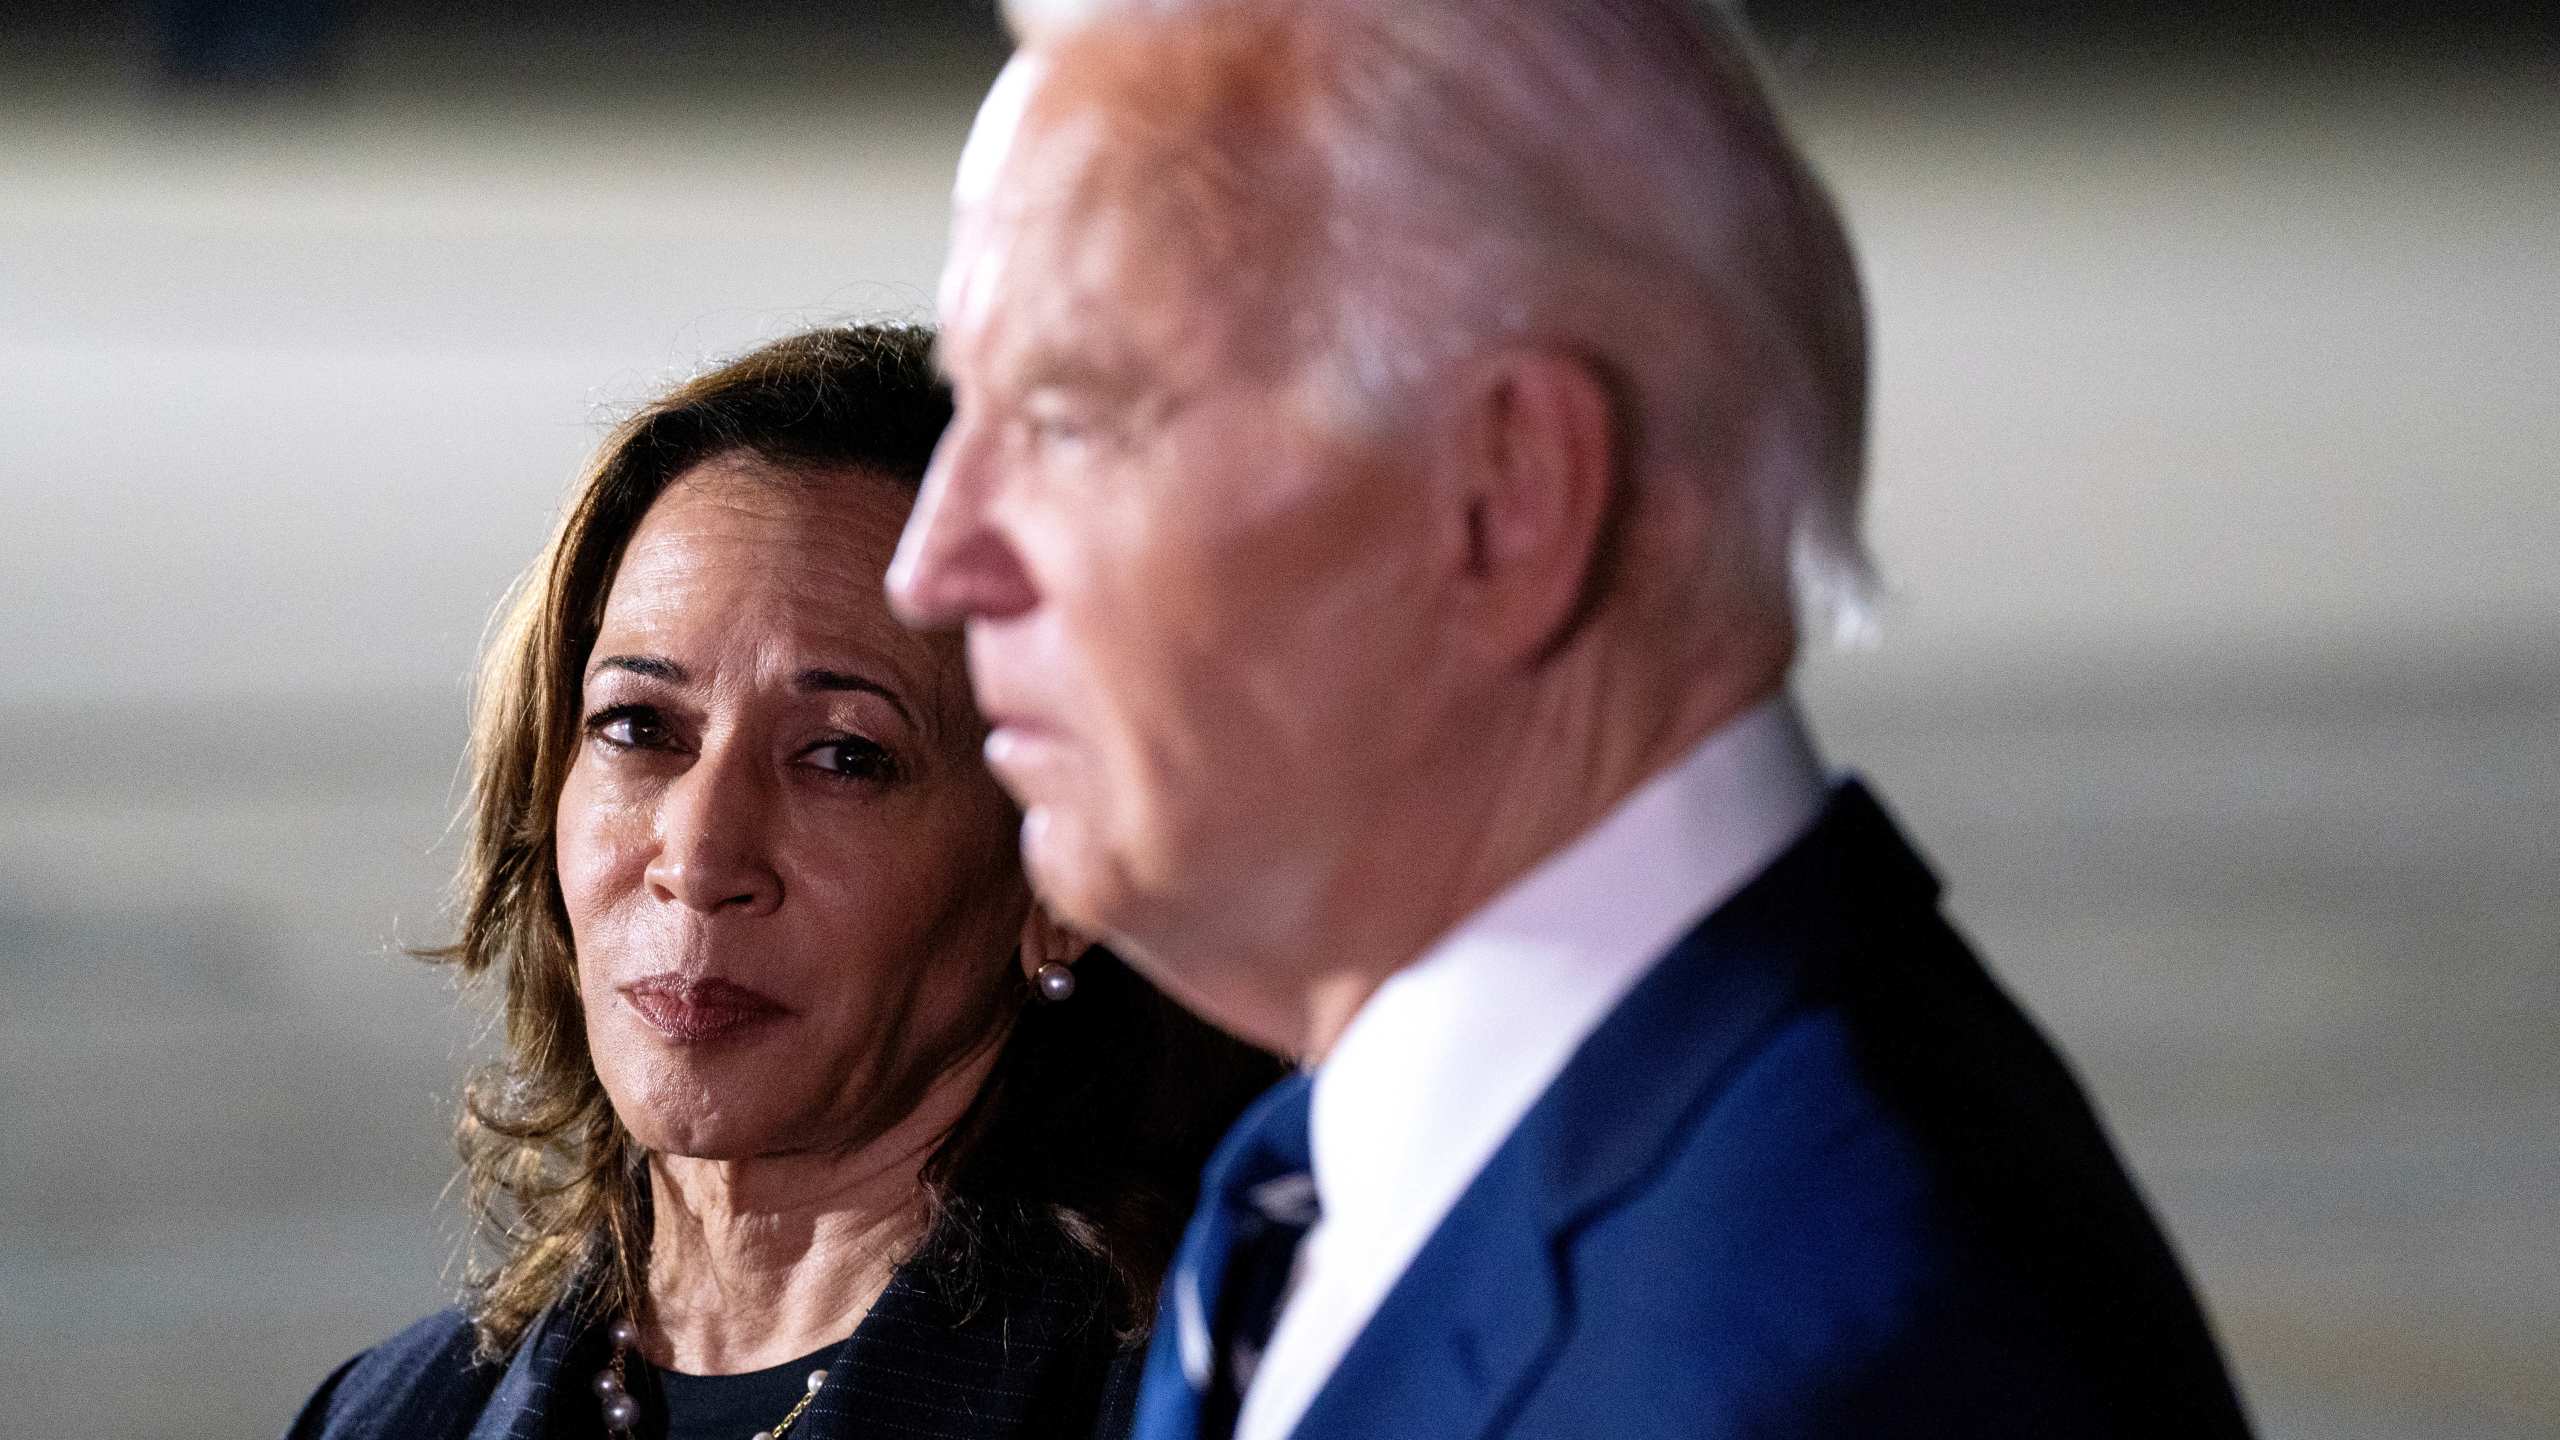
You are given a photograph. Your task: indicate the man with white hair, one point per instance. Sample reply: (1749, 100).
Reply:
(1396, 442)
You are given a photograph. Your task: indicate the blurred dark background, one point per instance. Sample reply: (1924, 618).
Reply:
(2214, 473)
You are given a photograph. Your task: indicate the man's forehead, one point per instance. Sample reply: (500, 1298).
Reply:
(1211, 105)
(1084, 292)
(992, 136)
(1056, 143)
(1092, 210)
(1024, 201)
(1020, 321)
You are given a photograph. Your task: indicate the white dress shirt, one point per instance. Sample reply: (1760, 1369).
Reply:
(1442, 1063)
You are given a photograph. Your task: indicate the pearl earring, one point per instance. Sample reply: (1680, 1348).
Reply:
(1056, 982)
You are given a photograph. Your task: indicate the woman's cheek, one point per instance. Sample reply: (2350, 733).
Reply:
(600, 851)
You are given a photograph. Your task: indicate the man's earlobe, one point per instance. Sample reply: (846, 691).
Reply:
(1547, 456)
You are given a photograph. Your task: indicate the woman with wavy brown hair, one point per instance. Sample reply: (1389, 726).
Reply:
(809, 1122)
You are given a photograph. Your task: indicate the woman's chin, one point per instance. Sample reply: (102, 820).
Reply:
(680, 1110)
(696, 1137)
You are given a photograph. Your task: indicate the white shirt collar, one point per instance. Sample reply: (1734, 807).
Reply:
(1440, 1065)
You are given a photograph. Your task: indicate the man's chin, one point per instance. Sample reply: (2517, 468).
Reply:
(1071, 872)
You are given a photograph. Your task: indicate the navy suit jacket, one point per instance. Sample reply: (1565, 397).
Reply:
(1816, 1176)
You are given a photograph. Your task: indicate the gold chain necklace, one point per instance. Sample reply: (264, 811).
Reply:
(621, 1412)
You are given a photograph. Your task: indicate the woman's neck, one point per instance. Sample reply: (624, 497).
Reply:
(753, 1263)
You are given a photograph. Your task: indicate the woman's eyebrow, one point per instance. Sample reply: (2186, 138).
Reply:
(816, 679)
(656, 667)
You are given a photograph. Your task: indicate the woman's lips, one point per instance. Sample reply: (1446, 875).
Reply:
(694, 1010)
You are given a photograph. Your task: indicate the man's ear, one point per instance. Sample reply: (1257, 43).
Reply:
(1048, 941)
(1544, 453)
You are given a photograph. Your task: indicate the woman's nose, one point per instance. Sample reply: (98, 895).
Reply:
(713, 854)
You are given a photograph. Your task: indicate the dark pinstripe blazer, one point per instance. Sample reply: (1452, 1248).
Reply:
(1032, 1358)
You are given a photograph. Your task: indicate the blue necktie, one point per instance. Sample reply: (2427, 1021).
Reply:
(1257, 1202)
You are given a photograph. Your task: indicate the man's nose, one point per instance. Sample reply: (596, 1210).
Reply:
(714, 852)
(954, 563)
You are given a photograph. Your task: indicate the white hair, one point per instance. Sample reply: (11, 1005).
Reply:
(1606, 172)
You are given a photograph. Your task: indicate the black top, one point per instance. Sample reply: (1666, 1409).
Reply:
(677, 1406)
(1025, 1353)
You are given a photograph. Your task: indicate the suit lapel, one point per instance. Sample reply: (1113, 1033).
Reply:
(519, 1408)
(1675, 1043)
(1460, 1331)
(1470, 1321)
(1464, 1331)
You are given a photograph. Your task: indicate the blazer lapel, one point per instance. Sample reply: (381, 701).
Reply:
(1675, 1042)
(519, 1408)
(1011, 1357)
(1463, 1332)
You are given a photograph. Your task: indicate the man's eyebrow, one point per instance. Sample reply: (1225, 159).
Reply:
(1055, 370)
(815, 679)
(1106, 373)
(656, 667)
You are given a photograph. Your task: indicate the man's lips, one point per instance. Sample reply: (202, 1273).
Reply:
(701, 1008)
(1015, 742)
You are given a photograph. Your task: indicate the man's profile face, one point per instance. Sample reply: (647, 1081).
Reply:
(1197, 619)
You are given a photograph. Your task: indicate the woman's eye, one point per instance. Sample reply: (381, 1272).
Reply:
(852, 758)
(629, 727)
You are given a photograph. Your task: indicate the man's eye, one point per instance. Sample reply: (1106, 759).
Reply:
(1050, 432)
(629, 727)
(1050, 422)
(852, 758)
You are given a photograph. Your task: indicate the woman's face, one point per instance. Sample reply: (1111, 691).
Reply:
(793, 885)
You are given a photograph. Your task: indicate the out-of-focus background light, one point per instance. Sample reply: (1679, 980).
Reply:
(2216, 431)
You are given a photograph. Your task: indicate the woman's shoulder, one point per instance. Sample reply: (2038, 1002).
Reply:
(425, 1381)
